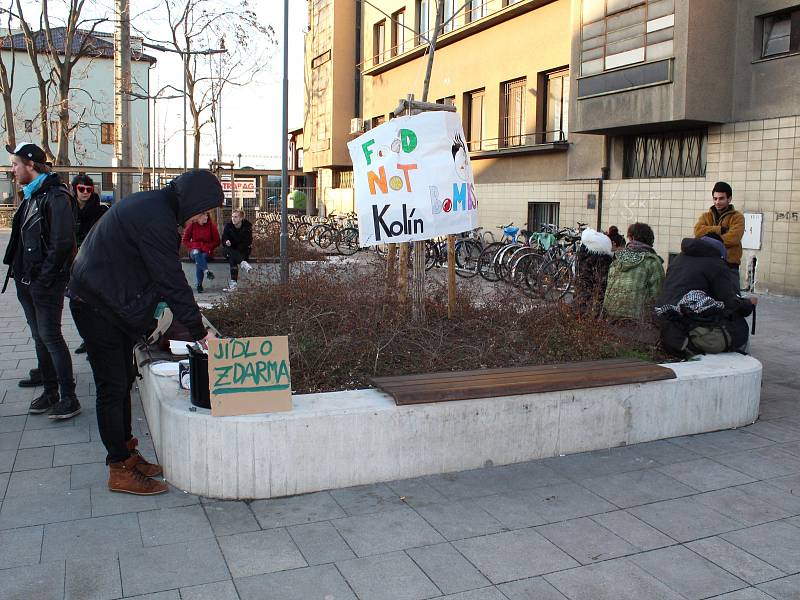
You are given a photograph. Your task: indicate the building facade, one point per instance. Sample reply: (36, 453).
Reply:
(91, 99)
(605, 112)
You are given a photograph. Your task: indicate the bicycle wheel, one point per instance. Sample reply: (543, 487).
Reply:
(326, 237)
(347, 241)
(260, 226)
(556, 279)
(502, 262)
(467, 254)
(273, 228)
(301, 229)
(486, 261)
(517, 264)
(381, 250)
(431, 254)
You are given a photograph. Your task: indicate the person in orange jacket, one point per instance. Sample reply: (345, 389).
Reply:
(725, 221)
(201, 238)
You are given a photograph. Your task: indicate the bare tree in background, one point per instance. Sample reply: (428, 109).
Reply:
(198, 29)
(78, 43)
(7, 83)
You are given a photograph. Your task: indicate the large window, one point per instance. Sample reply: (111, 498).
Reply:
(780, 33)
(670, 154)
(474, 120)
(398, 32)
(557, 110)
(476, 9)
(379, 42)
(542, 213)
(423, 19)
(512, 113)
(616, 33)
(447, 16)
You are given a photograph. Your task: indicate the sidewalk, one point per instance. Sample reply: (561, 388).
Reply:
(708, 516)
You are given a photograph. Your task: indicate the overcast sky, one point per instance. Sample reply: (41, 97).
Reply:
(251, 116)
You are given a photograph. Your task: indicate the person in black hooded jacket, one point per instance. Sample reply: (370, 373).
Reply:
(699, 308)
(128, 264)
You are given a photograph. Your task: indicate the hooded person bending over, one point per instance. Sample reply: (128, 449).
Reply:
(699, 308)
(128, 264)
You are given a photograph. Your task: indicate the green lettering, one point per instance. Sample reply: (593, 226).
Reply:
(367, 152)
(408, 139)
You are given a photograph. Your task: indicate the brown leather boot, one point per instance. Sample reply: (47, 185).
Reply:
(145, 468)
(124, 477)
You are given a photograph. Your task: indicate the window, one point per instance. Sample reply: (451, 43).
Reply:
(106, 133)
(448, 20)
(670, 154)
(375, 121)
(512, 113)
(107, 180)
(423, 20)
(557, 109)
(476, 9)
(398, 32)
(780, 33)
(449, 101)
(616, 33)
(320, 60)
(28, 126)
(379, 42)
(474, 110)
(343, 178)
(54, 126)
(542, 213)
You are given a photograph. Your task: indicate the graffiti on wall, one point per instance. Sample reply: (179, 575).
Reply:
(788, 216)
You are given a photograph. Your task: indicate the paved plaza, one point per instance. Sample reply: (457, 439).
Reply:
(707, 516)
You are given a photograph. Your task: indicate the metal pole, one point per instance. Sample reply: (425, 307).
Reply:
(183, 58)
(284, 150)
(122, 97)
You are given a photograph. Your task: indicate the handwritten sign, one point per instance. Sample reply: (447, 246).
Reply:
(413, 180)
(249, 375)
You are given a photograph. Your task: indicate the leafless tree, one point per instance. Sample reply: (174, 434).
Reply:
(7, 82)
(198, 31)
(60, 60)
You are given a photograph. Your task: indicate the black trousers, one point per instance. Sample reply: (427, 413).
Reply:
(110, 352)
(43, 307)
(234, 257)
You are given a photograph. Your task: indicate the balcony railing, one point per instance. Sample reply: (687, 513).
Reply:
(521, 141)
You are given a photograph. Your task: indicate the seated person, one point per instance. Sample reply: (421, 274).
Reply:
(699, 309)
(617, 241)
(594, 259)
(237, 242)
(634, 277)
(201, 238)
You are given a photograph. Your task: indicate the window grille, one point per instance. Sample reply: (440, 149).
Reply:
(343, 179)
(670, 154)
(512, 113)
(542, 212)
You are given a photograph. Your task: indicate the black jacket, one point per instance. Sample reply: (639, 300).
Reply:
(241, 238)
(131, 260)
(88, 216)
(42, 243)
(700, 267)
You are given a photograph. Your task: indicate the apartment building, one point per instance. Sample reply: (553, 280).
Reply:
(599, 111)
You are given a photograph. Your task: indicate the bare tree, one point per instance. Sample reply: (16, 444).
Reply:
(7, 82)
(78, 43)
(202, 29)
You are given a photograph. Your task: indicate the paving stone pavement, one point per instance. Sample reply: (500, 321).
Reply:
(707, 516)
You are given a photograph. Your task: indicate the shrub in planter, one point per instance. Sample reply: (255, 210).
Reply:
(347, 326)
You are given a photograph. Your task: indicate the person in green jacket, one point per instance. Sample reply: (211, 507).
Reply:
(635, 276)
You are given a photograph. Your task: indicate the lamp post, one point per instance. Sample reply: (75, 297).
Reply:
(284, 150)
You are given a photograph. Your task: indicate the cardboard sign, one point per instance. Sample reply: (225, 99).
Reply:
(249, 375)
(413, 180)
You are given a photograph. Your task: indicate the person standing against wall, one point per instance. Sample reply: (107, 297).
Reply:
(725, 221)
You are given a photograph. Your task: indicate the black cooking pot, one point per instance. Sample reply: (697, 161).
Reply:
(198, 378)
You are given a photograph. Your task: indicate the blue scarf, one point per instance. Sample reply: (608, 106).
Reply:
(30, 189)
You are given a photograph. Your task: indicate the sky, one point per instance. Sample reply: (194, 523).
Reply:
(251, 115)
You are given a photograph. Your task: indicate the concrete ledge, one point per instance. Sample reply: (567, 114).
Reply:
(341, 439)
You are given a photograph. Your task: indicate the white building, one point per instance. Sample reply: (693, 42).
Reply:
(91, 99)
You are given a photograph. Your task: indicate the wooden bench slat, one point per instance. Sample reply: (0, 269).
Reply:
(573, 366)
(456, 378)
(483, 383)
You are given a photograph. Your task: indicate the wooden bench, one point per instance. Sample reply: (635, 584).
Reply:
(485, 383)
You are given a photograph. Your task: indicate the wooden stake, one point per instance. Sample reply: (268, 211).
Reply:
(391, 258)
(451, 275)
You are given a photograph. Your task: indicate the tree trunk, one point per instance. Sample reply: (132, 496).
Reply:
(63, 121)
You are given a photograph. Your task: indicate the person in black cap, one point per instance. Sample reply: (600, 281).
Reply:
(39, 254)
(125, 267)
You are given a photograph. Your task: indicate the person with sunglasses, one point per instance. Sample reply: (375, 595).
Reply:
(89, 212)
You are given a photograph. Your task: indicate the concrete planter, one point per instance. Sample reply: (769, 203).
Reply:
(341, 439)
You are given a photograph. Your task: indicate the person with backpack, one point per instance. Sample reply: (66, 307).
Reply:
(699, 308)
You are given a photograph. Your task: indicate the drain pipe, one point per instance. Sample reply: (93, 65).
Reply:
(605, 172)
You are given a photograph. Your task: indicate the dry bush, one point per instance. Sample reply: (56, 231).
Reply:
(345, 328)
(268, 245)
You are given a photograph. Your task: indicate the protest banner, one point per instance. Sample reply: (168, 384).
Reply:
(249, 375)
(413, 180)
